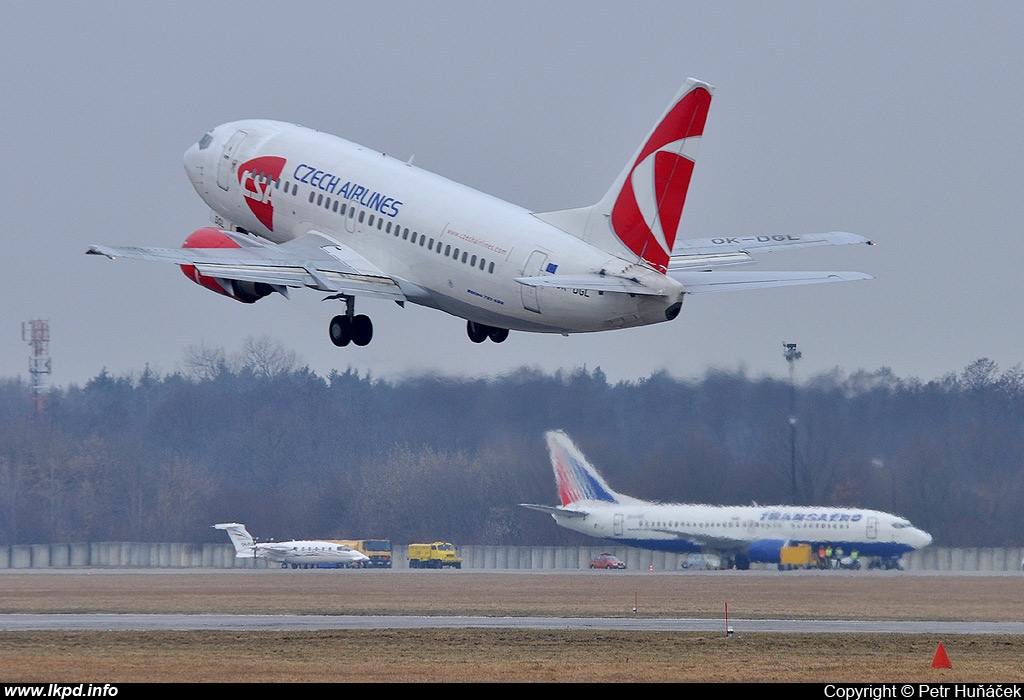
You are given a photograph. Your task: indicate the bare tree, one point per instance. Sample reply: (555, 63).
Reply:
(265, 357)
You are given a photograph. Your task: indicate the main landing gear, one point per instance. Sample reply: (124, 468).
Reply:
(478, 332)
(349, 328)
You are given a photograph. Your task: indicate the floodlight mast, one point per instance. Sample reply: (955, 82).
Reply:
(792, 355)
(37, 334)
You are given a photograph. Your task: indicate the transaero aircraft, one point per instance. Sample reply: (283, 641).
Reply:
(295, 553)
(292, 207)
(743, 533)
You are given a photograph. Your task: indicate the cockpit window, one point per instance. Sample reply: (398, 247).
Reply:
(205, 141)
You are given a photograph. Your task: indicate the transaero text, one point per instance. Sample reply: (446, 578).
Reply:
(812, 517)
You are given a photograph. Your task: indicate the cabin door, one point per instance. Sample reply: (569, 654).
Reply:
(617, 525)
(872, 528)
(533, 268)
(228, 162)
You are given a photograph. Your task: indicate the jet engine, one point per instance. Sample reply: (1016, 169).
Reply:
(766, 551)
(243, 291)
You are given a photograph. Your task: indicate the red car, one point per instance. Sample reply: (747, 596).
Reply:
(607, 561)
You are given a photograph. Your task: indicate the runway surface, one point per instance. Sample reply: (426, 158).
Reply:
(130, 622)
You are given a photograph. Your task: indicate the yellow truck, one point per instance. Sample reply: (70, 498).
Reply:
(797, 556)
(434, 556)
(378, 550)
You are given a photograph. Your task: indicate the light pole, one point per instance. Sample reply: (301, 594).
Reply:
(890, 469)
(792, 355)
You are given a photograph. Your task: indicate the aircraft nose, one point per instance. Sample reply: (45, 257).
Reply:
(194, 165)
(924, 538)
(198, 159)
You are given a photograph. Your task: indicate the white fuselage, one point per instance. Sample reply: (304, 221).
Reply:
(687, 528)
(309, 553)
(446, 245)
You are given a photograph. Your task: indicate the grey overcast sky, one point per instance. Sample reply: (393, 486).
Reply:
(899, 121)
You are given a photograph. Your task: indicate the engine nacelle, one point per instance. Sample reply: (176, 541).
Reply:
(769, 551)
(243, 291)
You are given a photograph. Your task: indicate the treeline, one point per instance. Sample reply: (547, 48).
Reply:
(292, 454)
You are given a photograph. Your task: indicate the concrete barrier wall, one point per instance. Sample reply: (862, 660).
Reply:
(479, 557)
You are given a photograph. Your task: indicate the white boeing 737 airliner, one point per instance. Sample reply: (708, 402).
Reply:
(297, 554)
(742, 533)
(294, 207)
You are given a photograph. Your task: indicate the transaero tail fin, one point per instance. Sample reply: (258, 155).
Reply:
(577, 480)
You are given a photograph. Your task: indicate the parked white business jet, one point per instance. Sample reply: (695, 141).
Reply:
(293, 207)
(743, 533)
(298, 554)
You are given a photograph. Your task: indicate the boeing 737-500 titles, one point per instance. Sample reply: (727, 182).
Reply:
(742, 533)
(294, 207)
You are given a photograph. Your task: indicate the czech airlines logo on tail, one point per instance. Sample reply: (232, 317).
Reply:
(576, 479)
(257, 177)
(649, 207)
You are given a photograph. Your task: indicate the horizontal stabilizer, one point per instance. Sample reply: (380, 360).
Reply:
(701, 281)
(762, 243)
(595, 283)
(556, 510)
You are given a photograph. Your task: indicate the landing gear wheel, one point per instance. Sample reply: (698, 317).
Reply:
(477, 331)
(341, 331)
(498, 335)
(362, 330)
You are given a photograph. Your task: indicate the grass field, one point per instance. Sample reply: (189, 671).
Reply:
(483, 655)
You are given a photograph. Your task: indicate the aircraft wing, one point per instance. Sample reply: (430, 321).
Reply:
(557, 510)
(718, 544)
(311, 260)
(700, 281)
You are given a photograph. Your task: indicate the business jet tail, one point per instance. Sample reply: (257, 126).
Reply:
(639, 215)
(240, 537)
